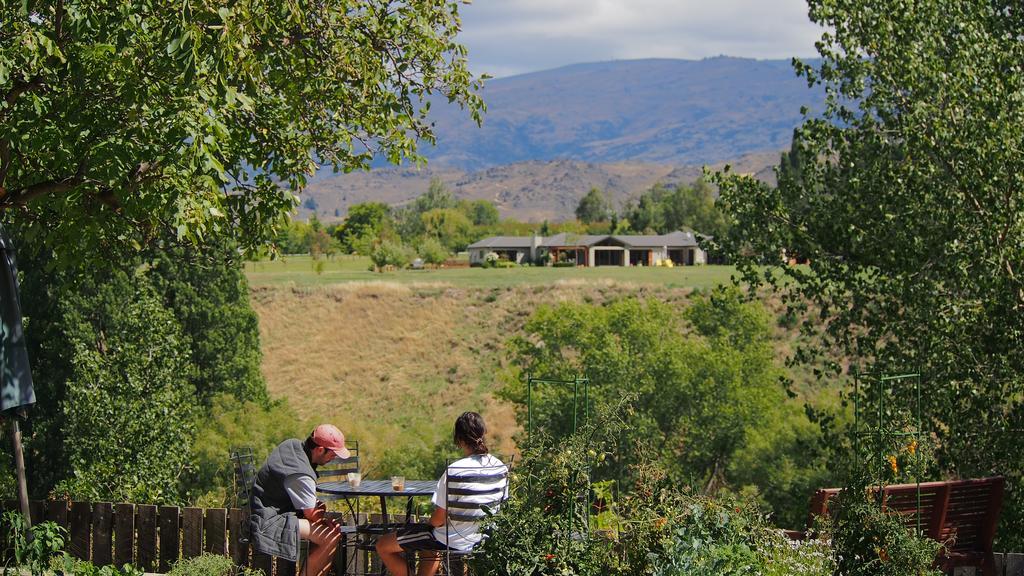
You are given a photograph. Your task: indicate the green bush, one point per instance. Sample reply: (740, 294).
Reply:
(564, 265)
(67, 565)
(550, 527)
(391, 253)
(543, 528)
(27, 548)
(230, 424)
(868, 541)
(708, 406)
(210, 565)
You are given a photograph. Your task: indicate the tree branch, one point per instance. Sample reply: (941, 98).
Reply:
(20, 87)
(24, 195)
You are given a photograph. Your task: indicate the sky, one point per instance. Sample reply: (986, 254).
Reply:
(508, 37)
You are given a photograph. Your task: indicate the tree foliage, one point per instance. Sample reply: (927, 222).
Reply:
(708, 402)
(594, 207)
(364, 220)
(121, 123)
(908, 198)
(665, 209)
(126, 418)
(432, 251)
(208, 295)
(126, 360)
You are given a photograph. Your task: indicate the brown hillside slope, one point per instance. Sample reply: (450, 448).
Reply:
(393, 365)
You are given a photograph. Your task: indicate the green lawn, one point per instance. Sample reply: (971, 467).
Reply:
(303, 271)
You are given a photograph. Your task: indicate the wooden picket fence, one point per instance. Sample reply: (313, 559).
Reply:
(152, 538)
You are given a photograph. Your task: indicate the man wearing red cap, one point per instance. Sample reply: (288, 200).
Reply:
(284, 504)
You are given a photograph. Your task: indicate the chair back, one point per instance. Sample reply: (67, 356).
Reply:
(338, 468)
(243, 462)
(474, 492)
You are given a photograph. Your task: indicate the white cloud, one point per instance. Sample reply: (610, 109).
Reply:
(514, 36)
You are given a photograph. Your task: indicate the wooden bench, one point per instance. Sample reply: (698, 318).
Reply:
(962, 514)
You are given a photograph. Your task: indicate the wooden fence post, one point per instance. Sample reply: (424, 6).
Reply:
(214, 526)
(145, 542)
(102, 533)
(170, 536)
(192, 532)
(81, 530)
(57, 512)
(124, 534)
(239, 550)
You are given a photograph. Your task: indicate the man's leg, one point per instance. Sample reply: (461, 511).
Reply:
(429, 563)
(323, 542)
(391, 554)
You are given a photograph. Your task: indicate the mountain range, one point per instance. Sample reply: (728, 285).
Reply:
(549, 136)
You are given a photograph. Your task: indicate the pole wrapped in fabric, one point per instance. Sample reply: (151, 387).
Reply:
(16, 385)
(16, 392)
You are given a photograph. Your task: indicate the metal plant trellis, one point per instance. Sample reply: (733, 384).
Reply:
(577, 382)
(878, 390)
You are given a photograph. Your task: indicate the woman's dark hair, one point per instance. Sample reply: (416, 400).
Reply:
(470, 430)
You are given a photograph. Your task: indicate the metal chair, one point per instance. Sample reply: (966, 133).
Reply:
(472, 494)
(243, 461)
(334, 470)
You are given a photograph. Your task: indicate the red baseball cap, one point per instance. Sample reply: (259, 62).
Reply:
(331, 438)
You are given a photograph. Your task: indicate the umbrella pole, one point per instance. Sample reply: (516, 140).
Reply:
(19, 465)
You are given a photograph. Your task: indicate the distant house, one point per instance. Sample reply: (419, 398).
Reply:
(594, 250)
(518, 249)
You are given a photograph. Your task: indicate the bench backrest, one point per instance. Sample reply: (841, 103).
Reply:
(961, 513)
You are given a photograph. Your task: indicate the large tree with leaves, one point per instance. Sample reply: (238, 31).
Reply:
(909, 201)
(122, 119)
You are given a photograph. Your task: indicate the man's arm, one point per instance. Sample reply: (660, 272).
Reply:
(302, 492)
(316, 513)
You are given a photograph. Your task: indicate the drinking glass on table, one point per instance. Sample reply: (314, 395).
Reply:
(354, 478)
(398, 483)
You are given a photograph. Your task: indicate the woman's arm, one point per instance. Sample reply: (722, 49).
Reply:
(438, 517)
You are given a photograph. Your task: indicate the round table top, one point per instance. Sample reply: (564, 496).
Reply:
(378, 488)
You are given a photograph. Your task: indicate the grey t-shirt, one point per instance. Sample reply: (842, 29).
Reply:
(301, 489)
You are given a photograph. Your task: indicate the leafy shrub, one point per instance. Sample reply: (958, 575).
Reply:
(656, 528)
(27, 548)
(491, 260)
(564, 265)
(129, 403)
(871, 542)
(210, 565)
(67, 565)
(230, 424)
(708, 400)
(432, 251)
(543, 528)
(391, 254)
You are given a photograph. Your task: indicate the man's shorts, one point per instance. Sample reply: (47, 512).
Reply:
(419, 538)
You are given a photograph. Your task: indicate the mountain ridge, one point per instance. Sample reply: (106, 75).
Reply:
(618, 125)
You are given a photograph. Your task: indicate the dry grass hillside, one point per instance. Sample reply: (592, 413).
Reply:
(394, 364)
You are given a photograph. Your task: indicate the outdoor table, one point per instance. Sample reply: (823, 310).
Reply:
(329, 491)
(380, 488)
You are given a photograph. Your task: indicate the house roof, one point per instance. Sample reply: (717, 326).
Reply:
(565, 239)
(503, 242)
(675, 239)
